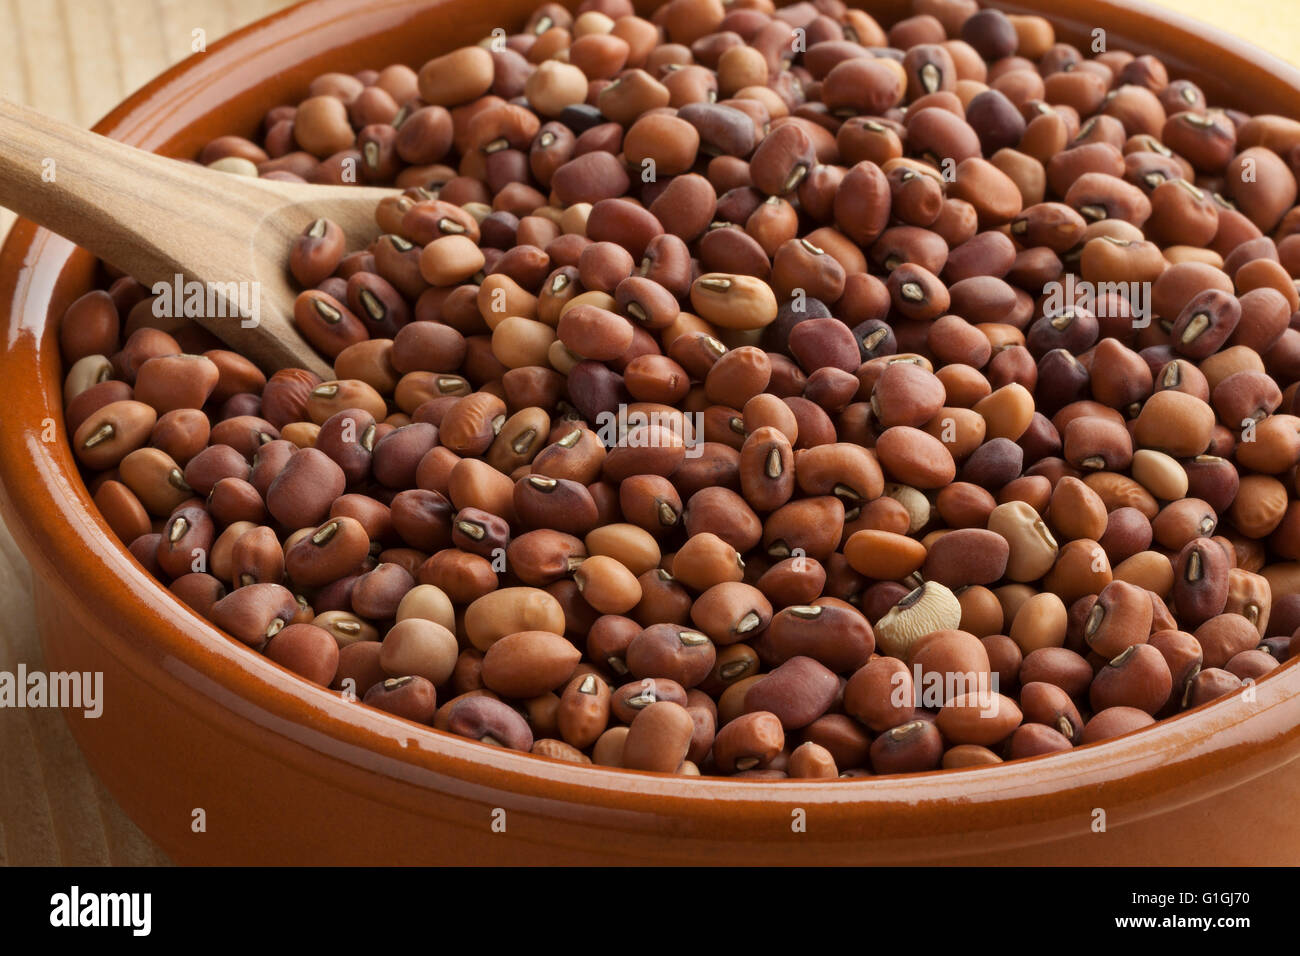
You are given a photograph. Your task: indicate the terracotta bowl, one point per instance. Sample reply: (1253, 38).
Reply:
(289, 773)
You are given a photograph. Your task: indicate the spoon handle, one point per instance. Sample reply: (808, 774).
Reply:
(116, 201)
(158, 219)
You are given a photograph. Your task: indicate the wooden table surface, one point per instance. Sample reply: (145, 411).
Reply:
(76, 59)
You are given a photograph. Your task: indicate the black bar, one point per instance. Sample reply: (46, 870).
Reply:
(341, 906)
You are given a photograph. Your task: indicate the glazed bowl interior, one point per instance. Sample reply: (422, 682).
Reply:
(185, 659)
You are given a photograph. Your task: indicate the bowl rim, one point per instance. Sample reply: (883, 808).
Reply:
(181, 654)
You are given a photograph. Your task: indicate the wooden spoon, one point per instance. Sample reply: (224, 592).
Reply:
(155, 218)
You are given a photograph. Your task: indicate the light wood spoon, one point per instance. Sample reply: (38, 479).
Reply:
(155, 218)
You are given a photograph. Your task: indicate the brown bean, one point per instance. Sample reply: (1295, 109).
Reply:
(584, 710)
(510, 611)
(732, 611)
(840, 638)
(1139, 677)
(113, 432)
(457, 77)
(751, 741)
(302, 492)
(1120, 618)
(409, 696)
(1223, 637)
(881, 694)
(908, 748)
(255, 613)
(1210, 684)
(1200, 582)
(914, 457)
(528, 663)
(797, 692)
(659, 738)
(981, 717)
(489, 721)
(420, 647)
(967, 556)
(679, 654)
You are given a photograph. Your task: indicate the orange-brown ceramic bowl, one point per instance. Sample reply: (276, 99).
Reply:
(285, 772)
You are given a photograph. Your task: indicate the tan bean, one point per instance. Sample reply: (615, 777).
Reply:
(528, 663)
(510, 611)
(420, 647)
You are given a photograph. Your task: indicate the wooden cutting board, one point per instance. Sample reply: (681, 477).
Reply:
(76, 59)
